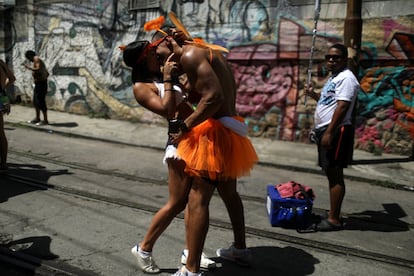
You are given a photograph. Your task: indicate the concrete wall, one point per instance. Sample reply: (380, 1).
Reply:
(269, 44)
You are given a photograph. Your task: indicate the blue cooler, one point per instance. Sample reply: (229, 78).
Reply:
(288, 212)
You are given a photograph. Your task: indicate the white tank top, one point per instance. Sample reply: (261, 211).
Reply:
(179, 98)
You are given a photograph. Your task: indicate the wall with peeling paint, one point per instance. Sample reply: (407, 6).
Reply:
(269, 42)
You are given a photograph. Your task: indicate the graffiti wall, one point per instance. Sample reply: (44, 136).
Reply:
(269, 43)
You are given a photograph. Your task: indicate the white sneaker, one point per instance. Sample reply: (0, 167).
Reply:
(184, 272)
(205, 262)
(147, 264)
(42, 123)
(242, 257)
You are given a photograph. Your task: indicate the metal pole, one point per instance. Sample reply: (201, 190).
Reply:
(315, 21)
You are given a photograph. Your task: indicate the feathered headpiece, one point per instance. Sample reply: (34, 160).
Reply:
(197, 41)
(155, 24)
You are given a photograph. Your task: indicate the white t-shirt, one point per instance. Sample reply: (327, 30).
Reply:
(342, 87)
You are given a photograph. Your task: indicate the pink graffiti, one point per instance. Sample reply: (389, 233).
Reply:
(262, 86)
(390, 26)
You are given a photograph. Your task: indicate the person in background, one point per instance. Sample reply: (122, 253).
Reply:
(333, 131)
(7, 78)
(40, 75)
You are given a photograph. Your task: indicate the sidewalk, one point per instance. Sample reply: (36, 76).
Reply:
(389, 170)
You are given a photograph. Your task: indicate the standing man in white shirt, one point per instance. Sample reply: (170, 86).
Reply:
(334, 129)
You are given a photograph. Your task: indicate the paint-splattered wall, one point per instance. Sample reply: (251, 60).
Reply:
(269, 44)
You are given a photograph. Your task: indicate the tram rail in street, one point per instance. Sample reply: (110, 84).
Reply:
(257, 232)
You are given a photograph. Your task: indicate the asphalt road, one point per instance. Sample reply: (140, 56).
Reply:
(101, 197)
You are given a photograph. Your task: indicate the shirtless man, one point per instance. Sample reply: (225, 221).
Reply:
(214, 145)
(40, 75)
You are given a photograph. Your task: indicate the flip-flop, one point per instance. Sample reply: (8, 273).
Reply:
(310, 229)
(322, 226)
(324, 215)
(316, 219)
(326, 226)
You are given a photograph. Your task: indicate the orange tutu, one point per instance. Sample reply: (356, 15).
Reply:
(215, 152)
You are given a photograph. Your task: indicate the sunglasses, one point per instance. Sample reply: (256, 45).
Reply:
(333, 57)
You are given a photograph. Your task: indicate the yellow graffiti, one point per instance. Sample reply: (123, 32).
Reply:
(116, 106)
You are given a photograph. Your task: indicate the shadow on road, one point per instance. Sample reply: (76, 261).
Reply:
(387, 220)
(34, 246)
(69, 124)
(10, 188)
(382, 161)
(268, 260)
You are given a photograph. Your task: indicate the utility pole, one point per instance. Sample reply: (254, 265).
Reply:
(353, 33)
(352, 40)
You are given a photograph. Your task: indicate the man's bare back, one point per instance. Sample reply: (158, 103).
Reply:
(209, 75)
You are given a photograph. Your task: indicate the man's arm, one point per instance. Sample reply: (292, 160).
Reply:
(337, 118)
(205, 81)
(10, 78)
(36, 64)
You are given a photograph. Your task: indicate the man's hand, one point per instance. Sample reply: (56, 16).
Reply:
(176, 137)
(326, 141)
(310, 92)
(176, 130)
(174, 47)
(6, 108)
(179, 36)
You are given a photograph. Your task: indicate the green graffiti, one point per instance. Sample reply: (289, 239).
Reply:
(51, 88)
(72, 32)
(73, 88)
(387, 84)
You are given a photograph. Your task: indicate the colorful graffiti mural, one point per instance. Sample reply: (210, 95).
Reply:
(269, 51)
(386, 101)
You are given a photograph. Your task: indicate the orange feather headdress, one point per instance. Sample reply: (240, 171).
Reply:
(198, 41)
(155, 24)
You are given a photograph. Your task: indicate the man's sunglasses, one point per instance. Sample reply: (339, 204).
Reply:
(333, 57)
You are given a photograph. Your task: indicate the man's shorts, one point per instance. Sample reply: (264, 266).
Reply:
(340, 154)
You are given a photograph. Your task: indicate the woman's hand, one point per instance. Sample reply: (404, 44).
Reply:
(171, 68)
